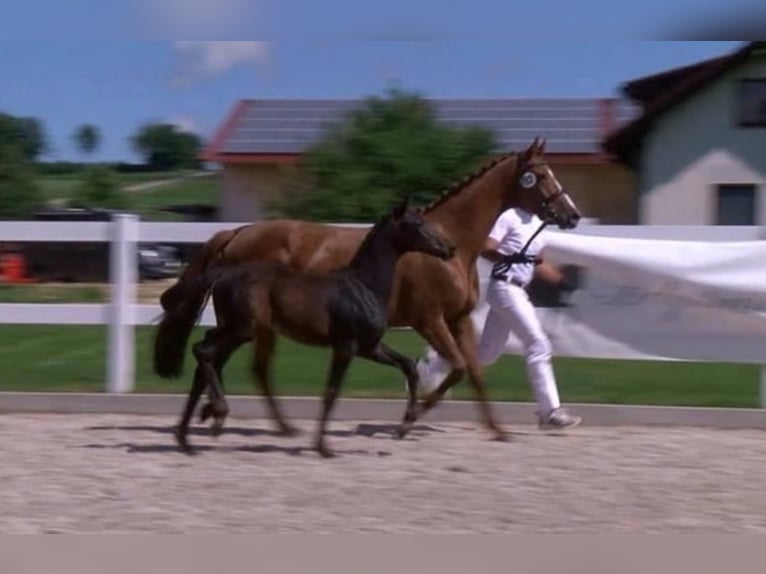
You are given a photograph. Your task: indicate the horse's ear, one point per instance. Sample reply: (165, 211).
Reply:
(401, 208)
(541, 147)
(530, 152)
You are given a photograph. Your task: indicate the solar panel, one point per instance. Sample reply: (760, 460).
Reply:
(293, 125)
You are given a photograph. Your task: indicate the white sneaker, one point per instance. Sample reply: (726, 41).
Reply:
(430, 379)
(426, 385)
(559, 419)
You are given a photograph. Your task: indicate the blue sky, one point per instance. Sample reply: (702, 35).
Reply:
(120, 84)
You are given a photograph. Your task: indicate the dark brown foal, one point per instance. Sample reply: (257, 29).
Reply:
(346, 310)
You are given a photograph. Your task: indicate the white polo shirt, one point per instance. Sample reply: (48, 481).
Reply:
(512, 230)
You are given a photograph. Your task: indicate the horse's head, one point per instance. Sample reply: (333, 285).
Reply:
(540, 192)
(411, 232)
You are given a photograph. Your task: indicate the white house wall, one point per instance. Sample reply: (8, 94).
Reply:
(695, 147)
(246, 190)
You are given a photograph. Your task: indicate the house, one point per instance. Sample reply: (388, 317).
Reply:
(698, 147)
(261, 139)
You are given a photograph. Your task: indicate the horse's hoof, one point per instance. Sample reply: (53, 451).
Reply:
(403, 430)
(423, 407)
(325, 452)
(189, 450)
(289, 431)
(217, 428)
(501, 436)
(206, 412)
(183, 444)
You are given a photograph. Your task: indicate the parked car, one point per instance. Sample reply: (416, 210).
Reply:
(89, 261)
(157, 261)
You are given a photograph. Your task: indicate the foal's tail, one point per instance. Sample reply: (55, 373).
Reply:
(183, 304)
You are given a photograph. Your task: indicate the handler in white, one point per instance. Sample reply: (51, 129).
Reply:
(511, 310)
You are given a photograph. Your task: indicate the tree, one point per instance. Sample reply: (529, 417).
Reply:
(164, 146)
(390, 147)
(24, 133)
(19, 195)
(87, 138)
(100, 187)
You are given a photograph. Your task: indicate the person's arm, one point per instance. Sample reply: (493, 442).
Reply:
(549, 273)
(499, 230)
(490, 251)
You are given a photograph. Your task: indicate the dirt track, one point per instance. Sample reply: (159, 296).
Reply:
(122, 474)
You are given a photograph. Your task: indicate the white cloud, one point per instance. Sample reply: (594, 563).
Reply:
(186, 124)
(199, 59)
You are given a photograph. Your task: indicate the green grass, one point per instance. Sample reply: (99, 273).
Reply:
(141, 177)
(57, 186)
(198, 190)
(61, 187)
(72, 358)
(53, 293)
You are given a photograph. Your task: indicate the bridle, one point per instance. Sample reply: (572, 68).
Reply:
(528, 181)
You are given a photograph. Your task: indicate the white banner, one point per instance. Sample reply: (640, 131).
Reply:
(652, 299)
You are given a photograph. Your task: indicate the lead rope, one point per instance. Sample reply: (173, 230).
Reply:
(501, 268)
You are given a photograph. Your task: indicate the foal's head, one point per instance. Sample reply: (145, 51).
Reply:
(408, 231)
(540, 190)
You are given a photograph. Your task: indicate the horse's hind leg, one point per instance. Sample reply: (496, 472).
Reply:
(338, 368)
(198, 386)
(385, 355)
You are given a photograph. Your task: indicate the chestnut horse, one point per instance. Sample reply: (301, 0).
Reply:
(345, 309)
(433, 297)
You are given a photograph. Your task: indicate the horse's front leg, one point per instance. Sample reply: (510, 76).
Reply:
(465, 336)
(442, 340)
(385, 355)
(217, 392)
(212, 354)
(338, 367)
(265, 346)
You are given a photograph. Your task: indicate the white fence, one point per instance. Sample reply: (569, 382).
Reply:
(124, 232)
(121, 314)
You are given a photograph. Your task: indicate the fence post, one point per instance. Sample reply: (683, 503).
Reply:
(123, 264)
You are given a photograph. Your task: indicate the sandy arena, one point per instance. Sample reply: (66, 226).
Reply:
(109, 473)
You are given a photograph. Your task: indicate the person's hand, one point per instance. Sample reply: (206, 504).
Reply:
(570, 279)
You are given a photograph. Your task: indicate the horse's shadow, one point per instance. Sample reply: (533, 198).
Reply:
(364, 429)
(368, 430)
(133, 448)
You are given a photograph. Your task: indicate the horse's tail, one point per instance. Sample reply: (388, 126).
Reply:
(182, 305)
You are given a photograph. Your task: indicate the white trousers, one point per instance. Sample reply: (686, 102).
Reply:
(510, 310)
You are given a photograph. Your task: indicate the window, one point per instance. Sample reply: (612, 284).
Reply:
(752, 103)
(735, 204)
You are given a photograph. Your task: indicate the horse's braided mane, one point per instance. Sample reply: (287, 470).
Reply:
(451, 191)
(370, 235)
(461, 184)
